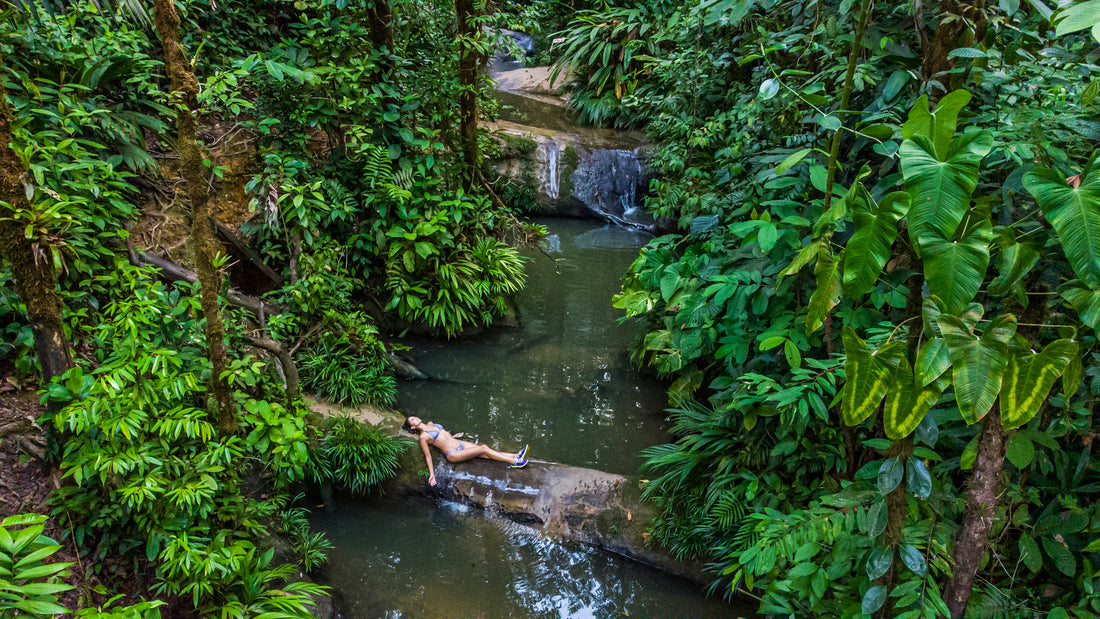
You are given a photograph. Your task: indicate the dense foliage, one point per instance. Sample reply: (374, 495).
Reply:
(871, 206)
(326, 139)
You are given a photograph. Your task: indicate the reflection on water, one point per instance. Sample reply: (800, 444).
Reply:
(562, 381)
(419, 558)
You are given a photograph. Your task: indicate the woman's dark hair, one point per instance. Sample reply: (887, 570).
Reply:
(408, 427)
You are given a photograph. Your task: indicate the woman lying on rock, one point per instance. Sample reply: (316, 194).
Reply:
(455, 450)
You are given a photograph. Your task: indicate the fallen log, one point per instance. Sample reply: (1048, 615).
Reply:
(228, 235)
(176, 273)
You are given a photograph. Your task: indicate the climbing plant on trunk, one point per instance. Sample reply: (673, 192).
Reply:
(32, 264)
(185, 88)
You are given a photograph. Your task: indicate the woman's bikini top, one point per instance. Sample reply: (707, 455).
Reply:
(435, 433)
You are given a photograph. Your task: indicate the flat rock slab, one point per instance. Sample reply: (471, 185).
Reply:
(574, 503)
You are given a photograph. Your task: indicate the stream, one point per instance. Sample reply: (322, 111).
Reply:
(561, 381)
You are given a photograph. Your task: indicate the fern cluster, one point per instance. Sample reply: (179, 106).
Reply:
(355, 455)
(346, 374)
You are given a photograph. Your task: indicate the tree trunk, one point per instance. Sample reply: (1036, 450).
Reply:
(35, 280)
(290, 370)
(467, 99)
(981, 502)
(380, 21)
(959, 21)
(186, 89)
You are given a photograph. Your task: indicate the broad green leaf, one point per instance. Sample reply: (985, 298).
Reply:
(867, 376)
(828, 292)
(1060, 553)
(906, 404)
(39, 607)
(941, 189)
(805, 256)
(978, 364)
(1085, 300)
(933, 359)
(1075, 17)
(873, 599)
(879, 561)
(1029, 378)
(1075, 215)
(955, 270)
(868, 250)
(1019, 450)
(938, 125)
(1030, 554)
(927, 431)
(913, 559)
(1013, 263)
(890, 475)
(792, 160)
(918, 479)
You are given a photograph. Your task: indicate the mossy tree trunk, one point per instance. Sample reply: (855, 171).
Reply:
(981, 503)
(35, 279)
(185, 88)
(959, 23)
(468, 59)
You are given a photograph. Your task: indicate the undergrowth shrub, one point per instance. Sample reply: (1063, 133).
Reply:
(346, 374)
(355, 455)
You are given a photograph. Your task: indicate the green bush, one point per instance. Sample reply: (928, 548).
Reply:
(344, 374)
(355, 455)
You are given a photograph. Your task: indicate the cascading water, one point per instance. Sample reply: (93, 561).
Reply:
(610, 182)
(550, 152)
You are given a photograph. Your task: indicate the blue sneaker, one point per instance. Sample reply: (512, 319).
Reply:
(522, 453)
(518, 464)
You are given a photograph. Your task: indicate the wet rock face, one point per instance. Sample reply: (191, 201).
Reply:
(568, 502)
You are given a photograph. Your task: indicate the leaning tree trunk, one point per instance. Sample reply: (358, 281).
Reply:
(186, 89)
(467, 80)
(960, 22)
(981, 502)
(35, 280)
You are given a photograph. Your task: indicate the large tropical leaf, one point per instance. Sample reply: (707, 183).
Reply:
(933, 359)
(954, 270)
(1028, 379)
(828, 292)
(939, 124)
(867, 376)
(1085, 300)
(941, 189)
(907, 402)
(876, 227)
(1075, 214)
(978, 364)
(1014, 261)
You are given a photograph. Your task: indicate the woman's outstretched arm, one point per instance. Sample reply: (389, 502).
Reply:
(428, 458)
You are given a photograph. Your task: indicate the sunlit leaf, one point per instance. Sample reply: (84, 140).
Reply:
(941, 189)
(1028, 379)
(867, 376)
(1075, 214)
(978, 364)
(955, 270)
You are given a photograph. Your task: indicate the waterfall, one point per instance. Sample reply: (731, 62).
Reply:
(550, 151)
(607, 181)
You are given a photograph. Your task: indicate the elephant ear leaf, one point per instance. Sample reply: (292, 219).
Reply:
(1013, 263)
(1075, 214)
(1029, 378)
(955, 270)
(978, 364)
(939, 124)
(1085, 300)
(940, 189)
(867, 251)
(867, 376)
(907, 402)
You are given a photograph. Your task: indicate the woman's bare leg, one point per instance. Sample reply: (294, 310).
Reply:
(471, 451)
